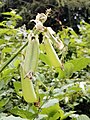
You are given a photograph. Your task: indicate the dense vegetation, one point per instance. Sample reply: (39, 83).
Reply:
(63, 92)
(69, 12)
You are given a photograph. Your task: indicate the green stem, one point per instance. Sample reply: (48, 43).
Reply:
(43, 84)
(12, 57)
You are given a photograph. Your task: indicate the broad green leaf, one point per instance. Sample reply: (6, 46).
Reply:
(73, 89)
(51, 111)
(68, 69)
(2, 41)
(7, 31)
(67, 114)
(55, 116)
(13, 14)
(60, 91)
(83, 117)
(41, 117)
(11, 117)
(18, 17)
(80, 63)
(1, 24)
(73, 33)
(22, 113)
(9, 13)
(61, 73)
(73, 119)
(57, 93)
(16, 62)
(8, 71)
(7, 50)
(61, 112)
(50, 102)
(45, 59)
(3, 102)
(17, 86)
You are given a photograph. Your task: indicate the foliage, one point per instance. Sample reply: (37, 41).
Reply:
(69, 12)
(60, 92)
(75, 3)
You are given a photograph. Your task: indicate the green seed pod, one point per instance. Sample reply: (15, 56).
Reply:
(51, 53)
(28, 69)
(32, 55)
(28, 88)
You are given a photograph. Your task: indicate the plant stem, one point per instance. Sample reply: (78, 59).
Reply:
(12, 57)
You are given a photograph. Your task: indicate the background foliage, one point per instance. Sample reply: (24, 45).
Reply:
(60, 98)
(69, 12)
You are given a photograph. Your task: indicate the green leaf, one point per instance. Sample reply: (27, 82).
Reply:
(7, 31)
(55, 116)
(11, 117)
(83, 117)
(50, 102)
(1, 84)
(67, 114)
(73, 33)
(45, 59)
(7, 50)
(61, 112)
(1, 24)
(41, 117)
(80, 63)
(18, 87)
(2, 41)
(68, 69)
(3, 102)
(22, 113)
(16, 62)
(74, 89)
(12, 14)
(52, 110)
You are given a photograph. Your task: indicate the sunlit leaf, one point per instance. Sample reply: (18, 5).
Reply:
(3, 102)
(80, 63)
(41, 117)
(55, 116)
(50, 102)
(68, 69)
(83, 117)
(17, 86)
(11, 117)
(67, 114)
(22, 113)
(16, 62)
(51, 111)
(45, 59)
(7, 50)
